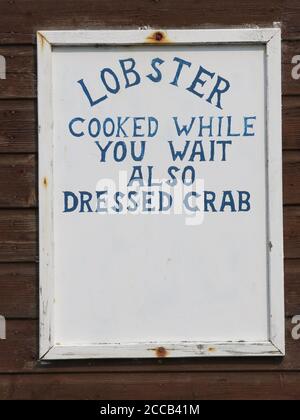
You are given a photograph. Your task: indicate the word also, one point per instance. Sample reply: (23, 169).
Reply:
(2, 67)
(296, 69)
(203, 83)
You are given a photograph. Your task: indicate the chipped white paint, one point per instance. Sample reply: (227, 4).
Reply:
(50, 349)
(163, 350)
(46, 226)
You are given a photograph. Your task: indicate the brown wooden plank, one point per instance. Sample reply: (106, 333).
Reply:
(20, 20)
(18, 235)
(290, 19)
(14, 38)
(19, 290)
(18, 126)
(292, 287)
(28, 16)
(292, 232)
(291, 177)
(21, 71)
(19, 59)
(18, 85)
(291, 122)
(152, 386)
(18, 181)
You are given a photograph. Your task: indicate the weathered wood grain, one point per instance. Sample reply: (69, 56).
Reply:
(292, 232)
(152, 386)
(27, 16)
(18, 183)
(18, 126)
(20, 72)
(291, 122)
(18, 85)
(18, 233)
(292, 287)
(19, 59)
(290, 18)
(19, 290)
(291, 177)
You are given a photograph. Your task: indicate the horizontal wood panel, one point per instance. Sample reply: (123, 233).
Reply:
(18, 85)
(18, 180)
(291, 177)
(19, 353)
(292, 287)
(152, 386)
(291, 122)
(291, 13)
(292, 232)
(27, 16)
(19, 289)
(19, 59)
(18, 125)
(21, 71)
(18, 233)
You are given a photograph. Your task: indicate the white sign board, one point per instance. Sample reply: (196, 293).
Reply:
(160, 194)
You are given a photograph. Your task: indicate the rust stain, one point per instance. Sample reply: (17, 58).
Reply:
(158, 37)
(42, 40)
(161, 352)
(45, 182)
(211, 349)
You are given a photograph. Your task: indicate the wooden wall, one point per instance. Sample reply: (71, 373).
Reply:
(21, 375)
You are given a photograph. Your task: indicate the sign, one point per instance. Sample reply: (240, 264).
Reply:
(160, 194)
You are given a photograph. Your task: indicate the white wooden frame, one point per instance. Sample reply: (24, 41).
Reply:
(271, 38)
